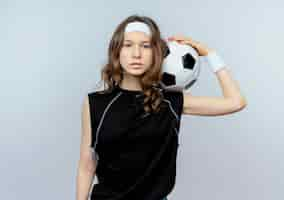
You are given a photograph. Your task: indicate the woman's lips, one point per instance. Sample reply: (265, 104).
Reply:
(136, 65)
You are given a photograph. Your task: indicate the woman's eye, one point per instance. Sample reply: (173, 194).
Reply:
(144, 46)
(147, 46)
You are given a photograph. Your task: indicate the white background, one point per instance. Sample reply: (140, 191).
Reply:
(51, 53)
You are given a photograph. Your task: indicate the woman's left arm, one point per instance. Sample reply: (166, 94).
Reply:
(232, 100)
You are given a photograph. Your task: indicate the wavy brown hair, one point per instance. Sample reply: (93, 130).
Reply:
(112, 73)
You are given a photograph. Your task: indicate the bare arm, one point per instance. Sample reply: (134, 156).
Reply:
(86, 165)
(232, 100)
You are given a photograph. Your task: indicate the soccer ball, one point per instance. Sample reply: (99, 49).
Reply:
(181, 66)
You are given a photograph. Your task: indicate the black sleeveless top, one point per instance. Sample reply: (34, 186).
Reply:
(135, 151)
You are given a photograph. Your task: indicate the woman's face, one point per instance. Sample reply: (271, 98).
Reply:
(136, 49)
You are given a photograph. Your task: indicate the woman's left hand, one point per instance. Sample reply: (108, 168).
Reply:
(201, 49)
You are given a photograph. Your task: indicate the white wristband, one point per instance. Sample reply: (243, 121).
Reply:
(215, 61)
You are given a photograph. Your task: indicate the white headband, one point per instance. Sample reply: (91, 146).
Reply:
(138, 26)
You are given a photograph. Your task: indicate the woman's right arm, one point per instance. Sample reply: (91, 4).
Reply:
(86, 165)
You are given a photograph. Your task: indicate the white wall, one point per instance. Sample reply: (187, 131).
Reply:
(50, 57)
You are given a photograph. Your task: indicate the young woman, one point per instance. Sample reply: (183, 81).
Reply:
(130, 130)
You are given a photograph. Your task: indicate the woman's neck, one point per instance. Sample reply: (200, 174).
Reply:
(130, 83)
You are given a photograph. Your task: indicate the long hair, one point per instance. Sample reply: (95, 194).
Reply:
(112, 73)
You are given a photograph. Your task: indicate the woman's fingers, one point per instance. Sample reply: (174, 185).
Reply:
(179, 37)
(201, 48)
(182, 39)
(176, 39)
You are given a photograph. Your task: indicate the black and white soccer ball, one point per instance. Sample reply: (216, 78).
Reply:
(181, 66)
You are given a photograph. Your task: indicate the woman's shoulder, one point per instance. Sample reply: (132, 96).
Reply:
(102, 97)
(101, 93)
(174, 96)
(170, 89)
(172, 92)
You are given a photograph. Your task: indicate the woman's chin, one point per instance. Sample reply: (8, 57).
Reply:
(136, 71)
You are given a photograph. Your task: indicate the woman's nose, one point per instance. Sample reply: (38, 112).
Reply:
(136, 51)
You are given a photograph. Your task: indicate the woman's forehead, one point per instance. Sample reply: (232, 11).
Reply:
(137, 36)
